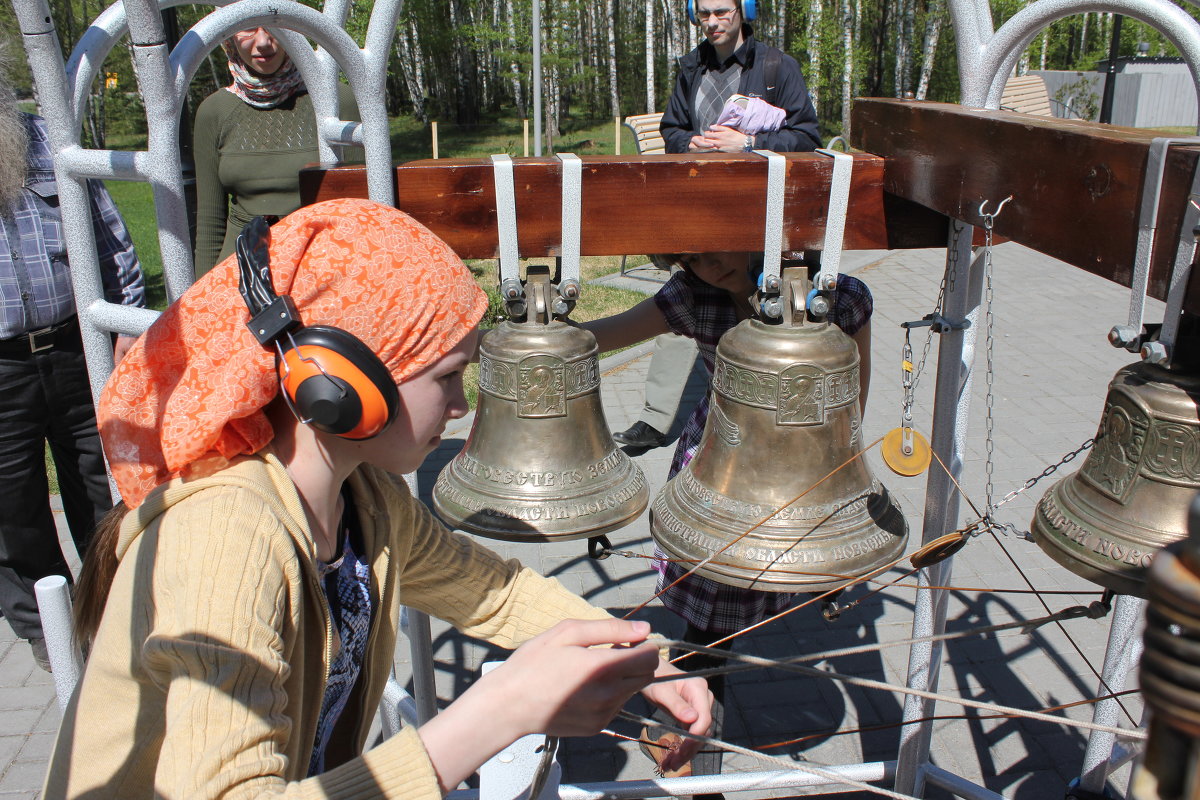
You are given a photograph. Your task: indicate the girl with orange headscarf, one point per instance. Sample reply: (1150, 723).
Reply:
(257, 576)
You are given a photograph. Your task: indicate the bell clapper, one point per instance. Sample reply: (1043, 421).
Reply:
(599, 548)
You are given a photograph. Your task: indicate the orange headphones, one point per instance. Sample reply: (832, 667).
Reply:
(329, 378)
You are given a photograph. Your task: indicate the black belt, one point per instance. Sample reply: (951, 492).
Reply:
(26, 344)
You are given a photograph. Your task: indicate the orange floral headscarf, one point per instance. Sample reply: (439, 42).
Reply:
(190, 393)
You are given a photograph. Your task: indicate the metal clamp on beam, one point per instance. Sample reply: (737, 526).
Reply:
(835, 219)
(1131, 335)
(770, 284)
(569, 287)
(938, 323)
(506, 230)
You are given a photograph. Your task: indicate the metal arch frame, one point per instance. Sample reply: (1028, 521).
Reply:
(163, 78)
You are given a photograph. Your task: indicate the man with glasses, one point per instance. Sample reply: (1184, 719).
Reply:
(729, 61)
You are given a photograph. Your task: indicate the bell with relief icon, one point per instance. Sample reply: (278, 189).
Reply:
(1131, 496)
(539, 464)
(778, 489)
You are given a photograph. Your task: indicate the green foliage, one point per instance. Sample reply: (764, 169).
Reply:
(1079, 99)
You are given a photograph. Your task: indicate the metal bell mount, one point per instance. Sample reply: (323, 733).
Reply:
(539, 463)
(784, 423)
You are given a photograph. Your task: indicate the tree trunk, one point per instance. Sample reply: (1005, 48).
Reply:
(514, 68)
(651, 100)
(614, 95)
(814, 53)
(933, 31)
(1045, 42)
(903, 51)
(409, 53)
(847, 64)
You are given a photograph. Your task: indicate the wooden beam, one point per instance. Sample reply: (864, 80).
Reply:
(644, 204)
(1076, 186)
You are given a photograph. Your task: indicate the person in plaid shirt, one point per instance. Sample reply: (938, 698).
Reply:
(710, 295)
(45, 395)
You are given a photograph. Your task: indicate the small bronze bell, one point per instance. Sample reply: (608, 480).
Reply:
(1131, 496)
(784, 422)
(539, 463)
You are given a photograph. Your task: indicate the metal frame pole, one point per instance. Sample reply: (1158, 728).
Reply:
(1120, 659)
(952, 400)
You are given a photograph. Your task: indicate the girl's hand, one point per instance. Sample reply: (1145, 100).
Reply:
(565, 687)
(556, 683)
(690, 702)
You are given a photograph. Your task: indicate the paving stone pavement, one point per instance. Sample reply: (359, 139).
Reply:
(1051, 369)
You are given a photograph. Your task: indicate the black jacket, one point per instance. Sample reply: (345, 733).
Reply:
(799, 132)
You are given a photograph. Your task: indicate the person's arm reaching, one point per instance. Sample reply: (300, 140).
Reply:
(643, 321)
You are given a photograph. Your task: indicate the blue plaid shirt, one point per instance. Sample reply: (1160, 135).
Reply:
(35, 276)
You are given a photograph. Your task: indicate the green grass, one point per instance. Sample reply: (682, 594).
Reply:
(136, 203)
(412, 139)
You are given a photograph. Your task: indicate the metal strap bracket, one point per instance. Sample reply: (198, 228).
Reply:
(1129, 335)
(835, 218)
(506, 217)
(569, 287)
(773, 228)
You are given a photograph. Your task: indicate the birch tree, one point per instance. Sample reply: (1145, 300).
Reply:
(651, 101)
(934, 19)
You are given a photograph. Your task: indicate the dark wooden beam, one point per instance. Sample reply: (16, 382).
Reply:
(644, 204)
(1076, 186)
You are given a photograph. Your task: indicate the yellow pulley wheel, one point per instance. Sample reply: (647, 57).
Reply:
(914, 461)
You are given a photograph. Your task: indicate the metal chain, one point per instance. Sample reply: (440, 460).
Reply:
(1047, 472)
(990, 375)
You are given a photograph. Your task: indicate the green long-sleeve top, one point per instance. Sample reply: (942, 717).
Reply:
(248, 162)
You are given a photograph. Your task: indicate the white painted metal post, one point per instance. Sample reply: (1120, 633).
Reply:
(54, 607)
(952, 400)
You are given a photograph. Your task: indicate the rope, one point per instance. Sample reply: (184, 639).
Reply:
(867, 683)
(1094, 611)
(934, 718)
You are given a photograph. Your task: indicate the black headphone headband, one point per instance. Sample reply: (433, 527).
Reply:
(329, 377)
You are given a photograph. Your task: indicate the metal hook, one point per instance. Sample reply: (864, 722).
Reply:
(988, 219)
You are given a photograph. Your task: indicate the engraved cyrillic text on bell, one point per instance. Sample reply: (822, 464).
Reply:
(784, 423)
(1131, 496)
(540, 463)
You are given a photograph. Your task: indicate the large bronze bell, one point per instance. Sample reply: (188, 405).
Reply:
(784, 422)
(539, 463)
(1131, 496)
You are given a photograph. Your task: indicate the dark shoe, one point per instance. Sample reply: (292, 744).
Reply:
(641, 435)
(38, 646)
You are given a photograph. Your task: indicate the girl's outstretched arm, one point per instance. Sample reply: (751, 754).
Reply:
(643, 321)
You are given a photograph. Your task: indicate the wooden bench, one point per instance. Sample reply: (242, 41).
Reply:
(645, 131)
(1026, 94)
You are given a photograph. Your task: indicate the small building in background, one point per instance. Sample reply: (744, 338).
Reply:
(1150, 92)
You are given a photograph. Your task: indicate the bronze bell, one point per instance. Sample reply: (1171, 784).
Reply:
(1131, 496)
(784, 421)
(539, 463)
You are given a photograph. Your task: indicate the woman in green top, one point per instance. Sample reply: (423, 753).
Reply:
(251, 139)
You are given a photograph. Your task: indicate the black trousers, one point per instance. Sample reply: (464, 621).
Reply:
(45, 397)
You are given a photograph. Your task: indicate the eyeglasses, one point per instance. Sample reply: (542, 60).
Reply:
(719, 13)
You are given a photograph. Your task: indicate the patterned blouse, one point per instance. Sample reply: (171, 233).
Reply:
(347, 583)
(702, 312)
